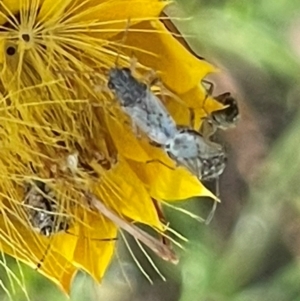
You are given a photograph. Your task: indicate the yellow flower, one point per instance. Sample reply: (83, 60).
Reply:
(55, 57)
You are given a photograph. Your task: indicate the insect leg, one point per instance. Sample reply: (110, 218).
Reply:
(213, 210)
(94, 239)
(192, 118)
(41, 261)
(210, 87)
(209, 92)
(123, 40)
(162, 218)
(158, 161)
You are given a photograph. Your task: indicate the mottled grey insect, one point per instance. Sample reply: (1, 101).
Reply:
(189, 149)
(41, 207)
(144, 108)
(183, 145)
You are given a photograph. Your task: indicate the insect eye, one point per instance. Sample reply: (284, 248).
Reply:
(126, 70)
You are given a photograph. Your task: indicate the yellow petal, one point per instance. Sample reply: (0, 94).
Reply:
(53, 10)
(30, 248)
(60, 271)
(106, 18)
(123, 191)
(125, 140)
(95, 244)
(168, 184)
(179, 70)
(116, 11)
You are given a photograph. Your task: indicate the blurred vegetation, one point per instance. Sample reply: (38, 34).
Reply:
(250, 251)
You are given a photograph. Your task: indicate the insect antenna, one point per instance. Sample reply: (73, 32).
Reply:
(161, 162)
(41, 261)
(122, 42)
(209, 90)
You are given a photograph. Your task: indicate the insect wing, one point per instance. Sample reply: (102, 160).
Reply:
(128, 89)
(161, 117)
(183, 145)
(153, 119)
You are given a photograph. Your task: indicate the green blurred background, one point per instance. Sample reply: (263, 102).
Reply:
(250, 250)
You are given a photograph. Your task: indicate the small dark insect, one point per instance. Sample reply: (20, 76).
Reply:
(145, 109)
(42, 209)
(221, 119)
(227, 117)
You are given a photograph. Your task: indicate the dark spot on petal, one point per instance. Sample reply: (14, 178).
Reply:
(26, 37)
(11, 50)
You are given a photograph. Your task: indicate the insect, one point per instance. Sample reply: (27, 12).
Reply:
(189, 149)
(144, 108)
(183, 145)
(221, 119)
(227, 117)
(44, 214)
